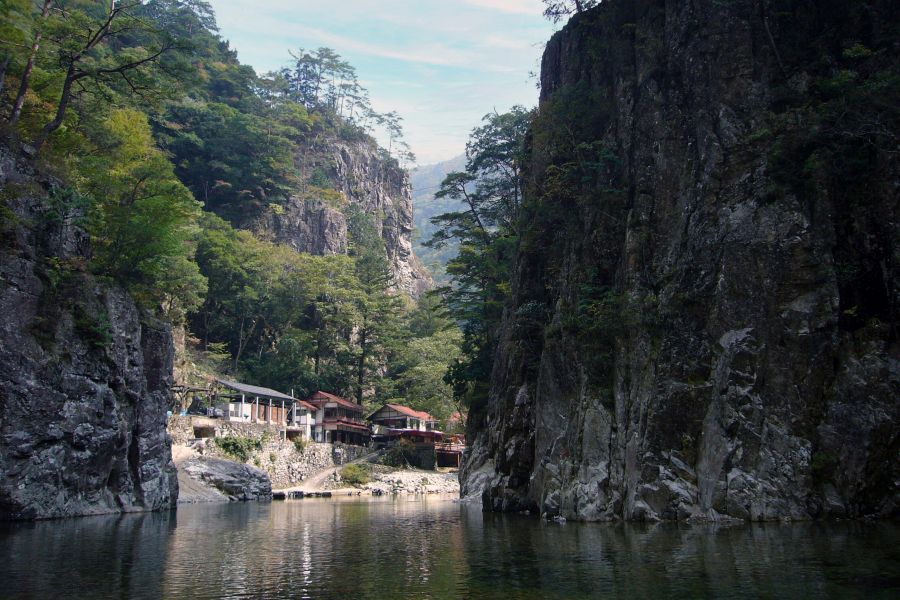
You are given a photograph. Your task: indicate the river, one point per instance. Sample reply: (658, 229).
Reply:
(434, 548)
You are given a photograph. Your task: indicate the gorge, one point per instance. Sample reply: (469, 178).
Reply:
(639, 340)
(670, 291)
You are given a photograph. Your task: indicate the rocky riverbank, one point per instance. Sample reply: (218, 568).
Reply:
(287, 464)
(384, 480)
(208, 479)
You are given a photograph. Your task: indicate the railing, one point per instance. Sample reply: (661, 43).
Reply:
(449, 447)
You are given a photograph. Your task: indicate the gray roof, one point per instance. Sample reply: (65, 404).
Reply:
(254, 390)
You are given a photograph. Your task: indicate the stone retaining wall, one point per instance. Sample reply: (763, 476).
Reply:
(285, 462)
(183, 429)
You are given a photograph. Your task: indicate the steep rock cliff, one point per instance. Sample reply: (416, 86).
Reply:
(84, 382)
(704, 307)
(366, 179)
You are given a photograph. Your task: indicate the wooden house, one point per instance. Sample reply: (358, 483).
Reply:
(254, 404)
(395, 423)
(338, 420)
(397, 416)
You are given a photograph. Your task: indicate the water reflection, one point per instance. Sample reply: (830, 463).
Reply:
(106, 557)
(433, 548)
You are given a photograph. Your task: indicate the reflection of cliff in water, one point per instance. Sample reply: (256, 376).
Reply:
(433, 548)
(110, 556)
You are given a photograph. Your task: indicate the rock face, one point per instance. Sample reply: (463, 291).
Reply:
(364, 178)
(309, 226)
(692, 334)
(84, 383)
(234, 480)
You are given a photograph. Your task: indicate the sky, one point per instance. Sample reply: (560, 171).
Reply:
(441, 64)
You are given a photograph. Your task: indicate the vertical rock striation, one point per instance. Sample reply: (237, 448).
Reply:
(84, 383)
(701, 325)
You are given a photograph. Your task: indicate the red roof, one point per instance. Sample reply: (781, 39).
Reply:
(321, 397)
(310, 407)
(416, 414)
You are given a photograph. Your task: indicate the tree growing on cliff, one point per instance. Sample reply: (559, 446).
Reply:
(142, 218)
(556, 10)
(490, 191)
(92, 54)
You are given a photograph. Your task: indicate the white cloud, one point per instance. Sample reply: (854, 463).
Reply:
(441, 65)
(430, 54)
(507, 43)
(522, 7)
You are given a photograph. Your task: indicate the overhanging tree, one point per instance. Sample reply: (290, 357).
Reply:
(556, 10)
(490, 191)
(90, 48)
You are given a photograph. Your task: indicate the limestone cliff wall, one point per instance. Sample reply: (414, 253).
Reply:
(84, 382)
(366, 179)
(692, 333)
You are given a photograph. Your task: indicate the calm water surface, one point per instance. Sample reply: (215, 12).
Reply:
(434, 548)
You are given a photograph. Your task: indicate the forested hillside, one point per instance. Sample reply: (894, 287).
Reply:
(255, 211)
(426, 182)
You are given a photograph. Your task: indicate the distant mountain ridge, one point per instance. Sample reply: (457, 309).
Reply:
(426, 181)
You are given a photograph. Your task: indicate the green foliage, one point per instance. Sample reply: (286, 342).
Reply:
(300, 444)
(417, 373)
(557, 10)
(287, 318)
(235, 161)
(87, 90)
(92, 325)
(239, 448)
(329, 196)
(400, 455)
(834, 144)
(327, 86)
(356, 474)
(148, 115)
(486, 230)
(143, 218)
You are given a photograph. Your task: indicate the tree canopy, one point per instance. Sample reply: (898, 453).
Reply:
(486, 229)
(166, 145)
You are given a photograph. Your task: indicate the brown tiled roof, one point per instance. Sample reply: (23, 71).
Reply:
(310, 407)
(320, 397)
(417, 414)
